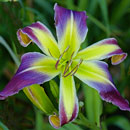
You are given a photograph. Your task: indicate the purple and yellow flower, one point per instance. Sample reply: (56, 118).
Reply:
(65, 59)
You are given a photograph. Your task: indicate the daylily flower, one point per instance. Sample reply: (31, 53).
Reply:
(65, 59)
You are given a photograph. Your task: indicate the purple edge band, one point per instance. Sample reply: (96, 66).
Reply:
(117, 52)
(19, 83)
(63, 117)
(61, 16)
(75, 112)
(20, 40)
(22, 80)
(110, 94)
(123, 58)
(115, 98)
(31, 56)
(29, 32)
(104, 66)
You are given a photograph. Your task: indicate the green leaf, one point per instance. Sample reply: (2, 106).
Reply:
(85, 122)
(83, 4)
(104, 11)
(45, 6)
(5, 44)
(92, 6)
(97, 23)
(71, 126)
(119, 10)
(39, 98)
(8, 0)
(93, 104)
(54, 88)
(119, 121)
(70, 4)
(35, 93)
(3, 127)
(39, 15)
(39, 120)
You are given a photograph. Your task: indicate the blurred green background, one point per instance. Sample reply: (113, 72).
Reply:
(107, 18)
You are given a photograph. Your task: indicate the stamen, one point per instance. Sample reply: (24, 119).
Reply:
(74, 70)
(66, 49)
(57, 63)
(49, 52)
(81, 60)
(68, 64)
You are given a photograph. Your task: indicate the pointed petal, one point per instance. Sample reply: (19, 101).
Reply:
(68, 106)
(39, 98)
(71, 28)
(35, 68)
(103, 49)
(39, 34)
(96, 75)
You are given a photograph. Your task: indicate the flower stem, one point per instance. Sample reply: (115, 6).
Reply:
(85, 122)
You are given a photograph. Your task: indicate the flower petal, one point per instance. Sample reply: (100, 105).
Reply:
(54, 121)
(96, 75)
(35, 68)
(68, 107)
(39, 98)
(71, 28)
(103, 49)
(39, 34)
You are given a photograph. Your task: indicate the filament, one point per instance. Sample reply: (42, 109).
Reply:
(74, 70)
(57, 63)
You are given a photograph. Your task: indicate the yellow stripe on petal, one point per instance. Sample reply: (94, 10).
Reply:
(96, 52)
(48, 42)
(71, 29)
(35, 68)
(68, 94)
(46, 65)
(93, 71)
(99, 78)
(38, 97)
(41, 36)
(68, 100)
(101, 50)
(70, 38)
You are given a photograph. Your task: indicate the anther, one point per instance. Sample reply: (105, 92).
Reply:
(57, 63)
(66, 49)
(68, 64)
(50, 52)
(81, 60)
(74, 70)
